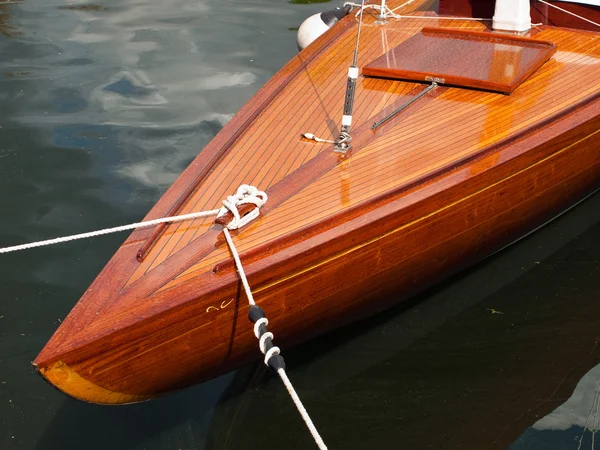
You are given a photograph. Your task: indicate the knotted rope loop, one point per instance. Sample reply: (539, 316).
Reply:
(245, 195)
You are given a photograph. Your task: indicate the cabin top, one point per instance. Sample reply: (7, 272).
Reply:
(464, 58)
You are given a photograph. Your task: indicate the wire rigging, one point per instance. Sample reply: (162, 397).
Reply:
(342, 143)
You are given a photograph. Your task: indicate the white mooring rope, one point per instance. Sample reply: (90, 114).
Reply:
(265, 338)
(245, 195)
(131, 226)
(301, 409)
(238, 264)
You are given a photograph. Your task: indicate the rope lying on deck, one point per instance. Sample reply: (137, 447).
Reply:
(245, 195)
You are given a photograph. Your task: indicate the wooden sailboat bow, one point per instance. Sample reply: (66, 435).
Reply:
(289, 186)
(453, 171)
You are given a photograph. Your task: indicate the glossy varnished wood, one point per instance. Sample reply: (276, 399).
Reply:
(454, 177)
(472, 59)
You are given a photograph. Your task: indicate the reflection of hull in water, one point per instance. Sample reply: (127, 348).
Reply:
(440, 186)
(447, 372)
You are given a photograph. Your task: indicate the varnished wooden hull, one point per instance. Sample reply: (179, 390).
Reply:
(334, 239)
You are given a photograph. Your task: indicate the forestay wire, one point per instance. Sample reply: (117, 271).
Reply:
(355, 59)
(342, 143)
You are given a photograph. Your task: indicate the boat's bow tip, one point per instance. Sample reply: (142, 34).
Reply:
(62, 377)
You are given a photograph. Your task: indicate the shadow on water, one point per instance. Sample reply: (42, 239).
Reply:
(469, 364)
(176, 421)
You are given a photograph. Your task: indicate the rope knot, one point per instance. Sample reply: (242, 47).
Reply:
(245, 195)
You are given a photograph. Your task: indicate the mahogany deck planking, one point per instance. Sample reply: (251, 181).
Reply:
(448, 181)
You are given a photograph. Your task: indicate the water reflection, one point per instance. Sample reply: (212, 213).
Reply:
(179, 421)
(578, 419)
(103, 105)
(84, 7)
(6, 27)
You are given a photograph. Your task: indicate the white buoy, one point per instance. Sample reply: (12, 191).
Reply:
(319, 23)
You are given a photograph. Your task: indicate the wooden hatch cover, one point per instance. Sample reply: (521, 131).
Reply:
(471, 59)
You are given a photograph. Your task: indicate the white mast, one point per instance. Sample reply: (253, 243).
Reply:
(512, 15)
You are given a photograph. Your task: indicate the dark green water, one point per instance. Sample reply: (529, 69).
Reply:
(102, 106)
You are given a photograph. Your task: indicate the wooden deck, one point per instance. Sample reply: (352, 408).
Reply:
(454, 177)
